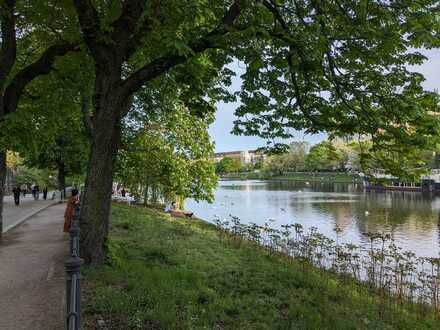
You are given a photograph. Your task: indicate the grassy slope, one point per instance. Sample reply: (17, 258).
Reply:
(180, 274)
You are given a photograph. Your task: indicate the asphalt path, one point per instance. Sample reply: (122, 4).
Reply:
(32, 282)
(14, 215)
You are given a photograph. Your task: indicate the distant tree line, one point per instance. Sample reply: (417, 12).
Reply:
(337, 155)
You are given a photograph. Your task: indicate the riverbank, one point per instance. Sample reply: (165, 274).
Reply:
(320, 177)
(299, 176)
(166, 273)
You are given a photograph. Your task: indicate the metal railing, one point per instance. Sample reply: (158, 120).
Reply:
(73, 276)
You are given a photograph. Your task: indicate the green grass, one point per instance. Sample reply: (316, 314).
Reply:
(166, 273)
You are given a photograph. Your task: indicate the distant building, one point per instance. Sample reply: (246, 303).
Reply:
(245, 157)
(300, 145)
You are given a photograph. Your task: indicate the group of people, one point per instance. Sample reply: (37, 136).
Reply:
(17, 191)
(120, 191)
(170, 208)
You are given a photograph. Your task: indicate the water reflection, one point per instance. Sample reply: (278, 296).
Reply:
(412, 219)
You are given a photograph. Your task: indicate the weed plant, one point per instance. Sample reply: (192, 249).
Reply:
(403, 276)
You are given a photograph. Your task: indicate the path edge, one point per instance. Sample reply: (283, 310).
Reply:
(27, 216)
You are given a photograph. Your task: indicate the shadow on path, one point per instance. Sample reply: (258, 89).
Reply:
(32, 285)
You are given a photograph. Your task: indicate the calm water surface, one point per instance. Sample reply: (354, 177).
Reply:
(411, 218)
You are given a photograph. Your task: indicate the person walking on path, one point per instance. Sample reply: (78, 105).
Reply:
(23, 190)
(123, 192)
(45, 193)
(16, 191)
(70, 210)
(36, 191)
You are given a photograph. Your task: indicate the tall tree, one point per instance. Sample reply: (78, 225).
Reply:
(228, 165)
(312, 65)
(173, 152)
(291, 160)
(19, 66)
(324, 157)
(153, 37)
(48, 130)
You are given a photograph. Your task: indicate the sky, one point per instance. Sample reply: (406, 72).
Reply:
(220, 130)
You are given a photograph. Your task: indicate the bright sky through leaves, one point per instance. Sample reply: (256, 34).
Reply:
(221, 128)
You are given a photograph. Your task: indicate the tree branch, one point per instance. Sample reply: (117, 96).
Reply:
(40, 67)
(8, 48)
(160, 65)
(127, 23)
(142, 28)
(90, 25)
(103, 45)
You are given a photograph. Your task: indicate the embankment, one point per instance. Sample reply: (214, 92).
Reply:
(166, 273)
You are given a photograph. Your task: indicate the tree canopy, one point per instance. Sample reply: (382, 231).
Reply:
(228, 165)
(311, 65)
(171, 153)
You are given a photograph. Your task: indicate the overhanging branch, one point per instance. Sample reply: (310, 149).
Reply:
(160, 65)
(40, 67)
(8, 48)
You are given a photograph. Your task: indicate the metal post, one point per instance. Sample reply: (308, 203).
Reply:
(73, 290)
(74, 232)
(73, 276)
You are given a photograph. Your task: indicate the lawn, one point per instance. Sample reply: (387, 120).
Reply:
(166, 273)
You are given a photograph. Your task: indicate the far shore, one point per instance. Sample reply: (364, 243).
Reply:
(299, 176)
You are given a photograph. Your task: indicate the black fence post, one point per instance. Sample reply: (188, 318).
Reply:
(73, 276)
(73, 296)
(74, 232)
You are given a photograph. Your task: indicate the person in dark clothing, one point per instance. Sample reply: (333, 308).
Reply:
(123, 192)
(16, 191)
(45, 193)
(36, 192)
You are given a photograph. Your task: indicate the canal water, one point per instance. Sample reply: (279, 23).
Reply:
(412, 219)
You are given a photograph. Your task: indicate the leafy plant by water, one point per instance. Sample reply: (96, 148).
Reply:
(398, 275)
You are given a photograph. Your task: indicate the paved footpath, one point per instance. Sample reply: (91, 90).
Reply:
(14, 215)
(32, 285)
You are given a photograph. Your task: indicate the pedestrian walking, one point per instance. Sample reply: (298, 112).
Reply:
(16, 191)
(45, 193)
(70, 210)
(36, 191)
(123, 192)
(23, 190)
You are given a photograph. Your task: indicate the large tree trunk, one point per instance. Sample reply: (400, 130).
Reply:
(96, 199)
(97, 195)
(2, 186)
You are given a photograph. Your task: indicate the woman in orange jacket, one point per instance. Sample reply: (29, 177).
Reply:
(70, 210)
